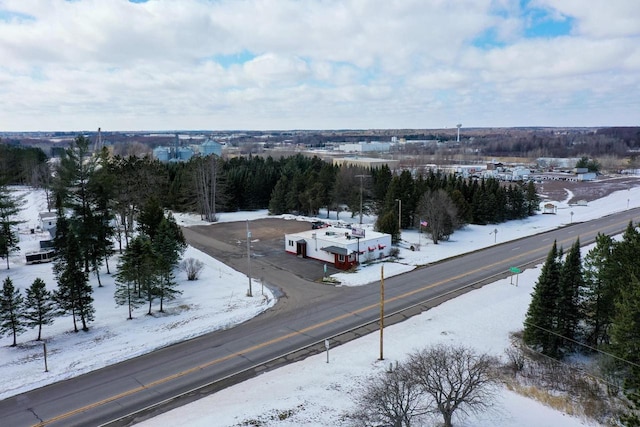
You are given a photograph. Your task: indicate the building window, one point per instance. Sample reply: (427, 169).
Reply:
(341, 258)
(290, 242)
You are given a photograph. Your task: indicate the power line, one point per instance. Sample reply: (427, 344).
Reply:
(583, 345)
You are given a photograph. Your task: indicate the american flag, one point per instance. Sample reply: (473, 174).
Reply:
(423, 223)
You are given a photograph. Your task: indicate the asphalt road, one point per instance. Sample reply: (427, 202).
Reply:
(309, 312)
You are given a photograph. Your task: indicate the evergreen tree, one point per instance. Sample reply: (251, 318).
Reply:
(278, 201)
(533, 200)
(388, 223)
(9, 238)
(134, 270)
(73, 188)
(598, 293)
(150, 218)
(73, 295)
(102, 188)
(137, 269)
(625, 263)
(571, 282)
(168, 247)
(625, 344)
(40, 308)
(11, 307)
(540, 321)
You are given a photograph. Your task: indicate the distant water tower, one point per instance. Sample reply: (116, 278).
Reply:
(459, 125)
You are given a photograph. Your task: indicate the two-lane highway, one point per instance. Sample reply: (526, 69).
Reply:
(107, 394)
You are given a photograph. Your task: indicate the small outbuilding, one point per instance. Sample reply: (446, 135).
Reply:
(549, 208)
(47, 220)
(341, 247)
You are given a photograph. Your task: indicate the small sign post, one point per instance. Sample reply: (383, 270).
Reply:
(516, 271)
(44, 348)
(326, 345)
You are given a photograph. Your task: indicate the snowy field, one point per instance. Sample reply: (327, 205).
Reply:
(313, 392)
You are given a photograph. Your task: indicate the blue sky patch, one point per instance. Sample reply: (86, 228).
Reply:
(544, 23)
(234, 58)
(487, 40)
(7, 15)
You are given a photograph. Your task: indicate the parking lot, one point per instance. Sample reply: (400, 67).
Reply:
(228, 242)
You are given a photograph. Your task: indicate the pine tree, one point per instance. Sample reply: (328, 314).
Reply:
(133, 270)
(125, 293)
(533, 200)
(9, 208)
(73, 295)
(11, 307)
(571, 281)
(73, 188)
(40, 308)
(150, 218)
(625, 344)
(138, 268)
(168, 247)
(278, 203)
(540, 321)
(599, 291)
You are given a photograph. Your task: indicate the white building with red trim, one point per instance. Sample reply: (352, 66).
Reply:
(341, 247)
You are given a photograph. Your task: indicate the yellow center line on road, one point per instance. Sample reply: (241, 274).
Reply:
(280, 339)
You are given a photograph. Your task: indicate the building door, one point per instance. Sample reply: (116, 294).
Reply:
(301, 248)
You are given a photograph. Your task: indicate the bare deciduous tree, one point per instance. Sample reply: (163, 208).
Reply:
(440, 213)
(391, 398)
(206, 178)
(454, 379)
(437, 380)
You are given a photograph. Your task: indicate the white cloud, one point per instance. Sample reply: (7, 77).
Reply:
(311, 64)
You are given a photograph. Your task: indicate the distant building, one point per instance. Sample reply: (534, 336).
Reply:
(211, 147)
(182, 153)
(366, 147)
(366, 162)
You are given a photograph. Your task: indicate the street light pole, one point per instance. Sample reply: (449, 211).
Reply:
(249, 293)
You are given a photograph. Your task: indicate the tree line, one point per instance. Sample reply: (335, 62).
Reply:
(297, 184)
(304, 185)
(592, 306)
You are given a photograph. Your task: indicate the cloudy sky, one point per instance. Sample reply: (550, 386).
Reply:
(317, 64)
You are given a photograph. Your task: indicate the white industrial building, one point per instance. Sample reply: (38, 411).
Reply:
(366, 147)
(341, 247)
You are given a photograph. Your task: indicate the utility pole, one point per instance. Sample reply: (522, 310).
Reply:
(382, 312)
(249, 293)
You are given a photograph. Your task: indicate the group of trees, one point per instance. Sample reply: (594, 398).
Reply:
(590, 306)
(9, 238)
(439, 204)
(145, 272)
(100, 199)
(17, 313)
(436, 380)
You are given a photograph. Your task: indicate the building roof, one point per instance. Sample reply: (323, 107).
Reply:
(335, 250)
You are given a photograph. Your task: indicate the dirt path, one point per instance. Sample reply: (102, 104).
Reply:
(589, 190)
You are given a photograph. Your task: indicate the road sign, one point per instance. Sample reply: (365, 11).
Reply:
(515, 270)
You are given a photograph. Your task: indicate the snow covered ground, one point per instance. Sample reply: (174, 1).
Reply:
(312, 392)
